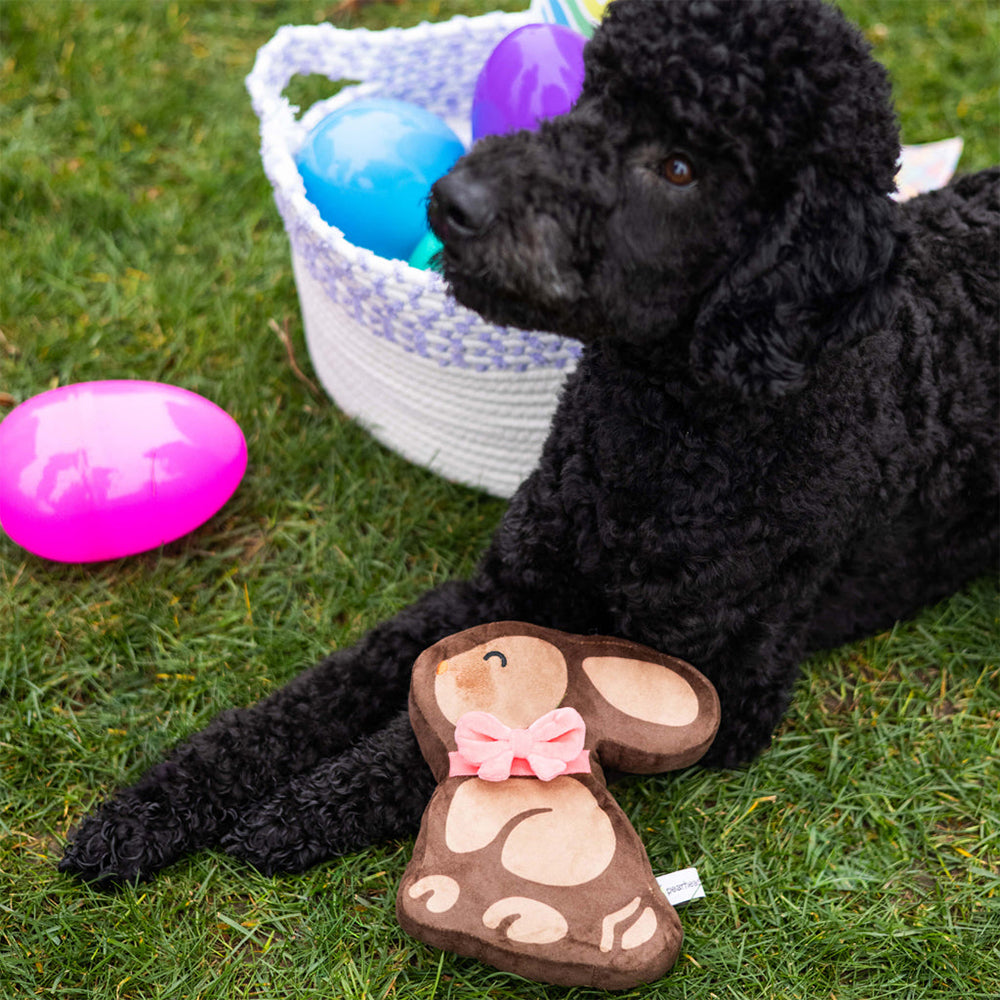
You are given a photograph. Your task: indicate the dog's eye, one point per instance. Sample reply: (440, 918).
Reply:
(678, 170)
(498, 655)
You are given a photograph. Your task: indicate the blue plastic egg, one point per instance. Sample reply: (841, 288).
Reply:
(369, 166)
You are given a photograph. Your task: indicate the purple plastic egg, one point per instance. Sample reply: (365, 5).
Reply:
(100, 470)
(536, 72)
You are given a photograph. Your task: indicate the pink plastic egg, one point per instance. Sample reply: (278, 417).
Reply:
(100, 470)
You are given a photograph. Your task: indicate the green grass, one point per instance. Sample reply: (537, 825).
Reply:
(858, 858)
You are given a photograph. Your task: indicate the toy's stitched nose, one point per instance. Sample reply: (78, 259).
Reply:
(461, 207)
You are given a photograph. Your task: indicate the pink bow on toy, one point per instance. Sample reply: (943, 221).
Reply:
(550, 746)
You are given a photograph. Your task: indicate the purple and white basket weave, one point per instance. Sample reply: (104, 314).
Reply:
(429, 378)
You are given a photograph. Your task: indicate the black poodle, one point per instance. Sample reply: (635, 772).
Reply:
(782, 435)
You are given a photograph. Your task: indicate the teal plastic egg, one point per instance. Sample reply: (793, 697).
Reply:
(423, 257)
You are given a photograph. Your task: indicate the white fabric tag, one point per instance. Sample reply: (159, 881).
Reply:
(681, 887)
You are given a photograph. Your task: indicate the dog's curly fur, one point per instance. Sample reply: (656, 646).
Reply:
(782, 433)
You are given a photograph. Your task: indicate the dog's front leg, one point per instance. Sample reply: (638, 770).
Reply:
(375, 790)
(211, 782)
(756, 686)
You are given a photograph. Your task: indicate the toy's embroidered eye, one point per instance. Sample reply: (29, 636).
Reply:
(678, 170)
(496, 652)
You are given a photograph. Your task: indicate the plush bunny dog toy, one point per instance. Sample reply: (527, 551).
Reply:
(524, 860)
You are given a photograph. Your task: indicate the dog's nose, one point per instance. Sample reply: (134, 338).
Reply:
(461, 207)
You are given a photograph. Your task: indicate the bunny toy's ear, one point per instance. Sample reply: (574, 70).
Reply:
(647, 712)
(818, 278)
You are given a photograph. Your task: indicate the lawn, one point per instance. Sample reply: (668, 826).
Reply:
(858, 858)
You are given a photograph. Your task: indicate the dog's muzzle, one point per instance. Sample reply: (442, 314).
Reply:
(461, 207)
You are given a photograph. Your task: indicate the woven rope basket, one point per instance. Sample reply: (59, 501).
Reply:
(429, 378)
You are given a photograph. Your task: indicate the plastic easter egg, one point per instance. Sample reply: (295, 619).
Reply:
(423, 257)
(536, 72)
(100, 470)
(369, 166)
(582, 15)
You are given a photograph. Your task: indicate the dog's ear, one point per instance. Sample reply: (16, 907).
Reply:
(816, 278)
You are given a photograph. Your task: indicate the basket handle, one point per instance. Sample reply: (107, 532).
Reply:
(314, 48)
(354, 53)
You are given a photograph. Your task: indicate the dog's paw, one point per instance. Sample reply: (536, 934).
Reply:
(123, 842)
